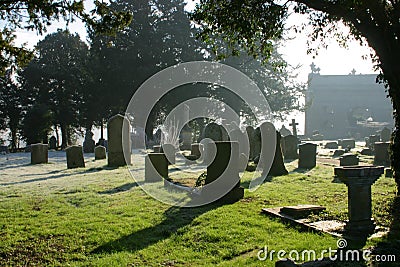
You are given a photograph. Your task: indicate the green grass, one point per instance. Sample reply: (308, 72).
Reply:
(99, 217)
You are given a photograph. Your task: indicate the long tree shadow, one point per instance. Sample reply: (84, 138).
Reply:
(118, 189)
(176, 218)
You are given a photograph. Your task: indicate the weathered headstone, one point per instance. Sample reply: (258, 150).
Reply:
(53, 143)
(289, 147)
(331, 145)
(119, 147)
(88, 143)
(294, 127)
(224, 170)
(349, 159)
(75, 157)
(366, 152)
(284, 131)
(348, 143)
(386, 134)
(278, 166)
(338, 152)
(100, 152)
(307, 155)
(213, 131)
(196, 150)
(39, 153)
(156, 167)
(382, 154)
(257, 142)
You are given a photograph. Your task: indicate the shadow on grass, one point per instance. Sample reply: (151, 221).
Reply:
(176, 218)
(390, 244)
(122, 188)
(301, 170)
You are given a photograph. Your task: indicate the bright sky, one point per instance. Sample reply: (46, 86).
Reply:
(333, 60)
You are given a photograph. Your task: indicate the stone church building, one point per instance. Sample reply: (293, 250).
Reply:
(343, 106)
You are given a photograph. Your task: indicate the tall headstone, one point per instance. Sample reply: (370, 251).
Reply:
(289, 147)
(278, 167)
(119, 147)
(100, 152)
(257, 142)
(39, 153)
(75, 157)
(307, 156)
(53, 143)
(88, 143)
(156, 167)
(224, 170)
(382, 154)
(169, 151)
(238, 136)
(294, 127)
(196, 150)
(386, 134)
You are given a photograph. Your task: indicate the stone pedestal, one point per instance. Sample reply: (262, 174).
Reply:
(100, 152)
(75, 157)
(307, 156)
(39, 153)
(382, 154)
(156, 167)
(358, 180)
(119, 147)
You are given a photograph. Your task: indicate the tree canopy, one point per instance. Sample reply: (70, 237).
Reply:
(37, 15)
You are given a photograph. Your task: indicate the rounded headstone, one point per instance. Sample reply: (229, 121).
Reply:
(100, 152)
(75, 157)
(307, 155)
(118, 131)
(39, 153)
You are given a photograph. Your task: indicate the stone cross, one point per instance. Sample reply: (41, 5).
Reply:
(294, 128)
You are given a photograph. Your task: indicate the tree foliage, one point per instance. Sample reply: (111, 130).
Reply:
(37, 15)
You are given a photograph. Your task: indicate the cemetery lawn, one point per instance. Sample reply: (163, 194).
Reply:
(98, 216)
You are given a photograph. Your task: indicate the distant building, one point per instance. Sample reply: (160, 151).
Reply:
(340, 106)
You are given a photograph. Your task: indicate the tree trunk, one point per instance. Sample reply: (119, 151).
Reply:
(64, 136)
(13, 139)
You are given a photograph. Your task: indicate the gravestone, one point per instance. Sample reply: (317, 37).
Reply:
(307, 156)
(186, 137)
(366, 152)
(372, 140)
(157, 149)
(289, 147)
(39, 153)
(75, 157)
(250, 135)
(224, 170)
(338, 152)
(88, 144)
(169, 151)
(386, 134)
(349, 159)
(53, 143)
(195, 150)
(257, 142)
(278, 166)
(284, 131)
(348, 143)
(294, 127)
(100, 152)
(156, 167)
(213, 131)
(382, 154)
(331, 145)
(119, 147)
